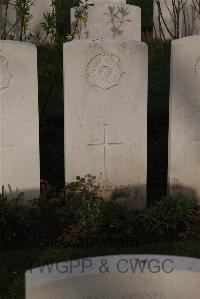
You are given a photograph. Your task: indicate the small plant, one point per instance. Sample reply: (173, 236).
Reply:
(84, 188)
(167, 219)
(80, 21)
(77, 216)
(9, 221)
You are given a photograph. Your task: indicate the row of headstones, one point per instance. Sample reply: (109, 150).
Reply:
(37, 9)
(115, 22)
(116, 277)
(105, 116)
(169, 16)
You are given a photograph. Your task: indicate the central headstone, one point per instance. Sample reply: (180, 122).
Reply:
(106, 115)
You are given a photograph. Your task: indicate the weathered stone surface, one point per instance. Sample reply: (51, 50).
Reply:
(129, 277)
(106, 116)
(110, 20)
(10, 26)
(188, 19)
(163, 26)
(37, 9)
(110, 1)
(19, 125)
(184, 138)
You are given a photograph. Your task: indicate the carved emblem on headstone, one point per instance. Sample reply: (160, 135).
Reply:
(104, 71)
(5, 75)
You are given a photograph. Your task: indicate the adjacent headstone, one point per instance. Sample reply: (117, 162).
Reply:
(110, 1)
(184, 137)
(174, 19)
(19, 125)
(106, 115)
(10, 25)
(190, 19)
(37, 9)
(109, 19)
(163, 19)
(117, 277)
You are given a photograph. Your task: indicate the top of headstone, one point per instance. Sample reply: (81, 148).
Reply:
(88, 2)
(109, 1)
(104, 2)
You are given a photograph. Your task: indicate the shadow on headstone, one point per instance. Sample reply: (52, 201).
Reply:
(184, 118)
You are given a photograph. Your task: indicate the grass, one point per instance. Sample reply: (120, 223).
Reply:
(15, 263)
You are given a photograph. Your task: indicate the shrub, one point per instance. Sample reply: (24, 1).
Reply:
(78, 216)
(167, 219)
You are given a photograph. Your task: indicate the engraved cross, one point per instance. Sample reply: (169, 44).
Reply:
(105, 144)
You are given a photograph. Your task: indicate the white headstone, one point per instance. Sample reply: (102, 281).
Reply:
(117, 277)
(163, 25)
(11, 27)
(110, 19)
(190, 19)
(184, 137)
(178, 17)
(106, 115)
(110, 1)
(19, 125)
(37, 9)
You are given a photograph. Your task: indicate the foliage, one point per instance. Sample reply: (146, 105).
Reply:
(78, 216)
(13, 221)
(19, 28)
(14, 263)
(168, 219)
